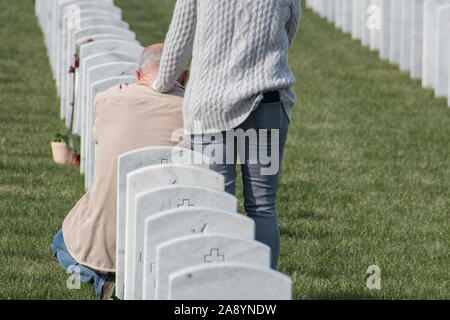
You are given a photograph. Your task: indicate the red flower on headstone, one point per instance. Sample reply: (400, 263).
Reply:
(76, 160)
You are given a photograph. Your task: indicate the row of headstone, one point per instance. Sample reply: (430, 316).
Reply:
(90, 49)
(414, 34)
(179, 234)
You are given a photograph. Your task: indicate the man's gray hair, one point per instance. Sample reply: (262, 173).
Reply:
(150, 60)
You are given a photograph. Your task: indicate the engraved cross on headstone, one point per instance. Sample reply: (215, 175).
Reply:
(214, 256)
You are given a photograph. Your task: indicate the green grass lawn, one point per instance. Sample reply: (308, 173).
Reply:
(365, 179)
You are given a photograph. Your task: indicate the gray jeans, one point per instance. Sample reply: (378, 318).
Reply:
(259, 141)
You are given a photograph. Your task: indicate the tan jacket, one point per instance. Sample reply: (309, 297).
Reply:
(128, 117)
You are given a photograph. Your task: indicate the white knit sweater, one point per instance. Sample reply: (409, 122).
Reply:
(239, 50)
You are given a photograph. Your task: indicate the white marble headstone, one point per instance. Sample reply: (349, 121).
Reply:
(429, 53)
(346, 16)
(48, 17)
(229, 281)
(152, 177)
(38, 11)
(338, 13)
(416, 39)
(356, 19)
(96, 74)
(394, 45)
(50, 24)
(183, 252)
(183, 222)
(406, 34)
(54, 13)
(322, 8)
(448, 94)
(385, 29)
(96, 88)
(365, 31)
(330, 10)
(375, 24)
(315, 5)
(43, 11)
(442, 51)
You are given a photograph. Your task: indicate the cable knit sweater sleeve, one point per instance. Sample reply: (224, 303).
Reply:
(294, 21)
(178, 45)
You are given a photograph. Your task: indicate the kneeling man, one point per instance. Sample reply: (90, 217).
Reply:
(128, 117)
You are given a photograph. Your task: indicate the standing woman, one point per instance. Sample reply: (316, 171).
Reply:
(240, 83)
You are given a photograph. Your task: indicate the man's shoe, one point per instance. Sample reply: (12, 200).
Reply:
(108, 287)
